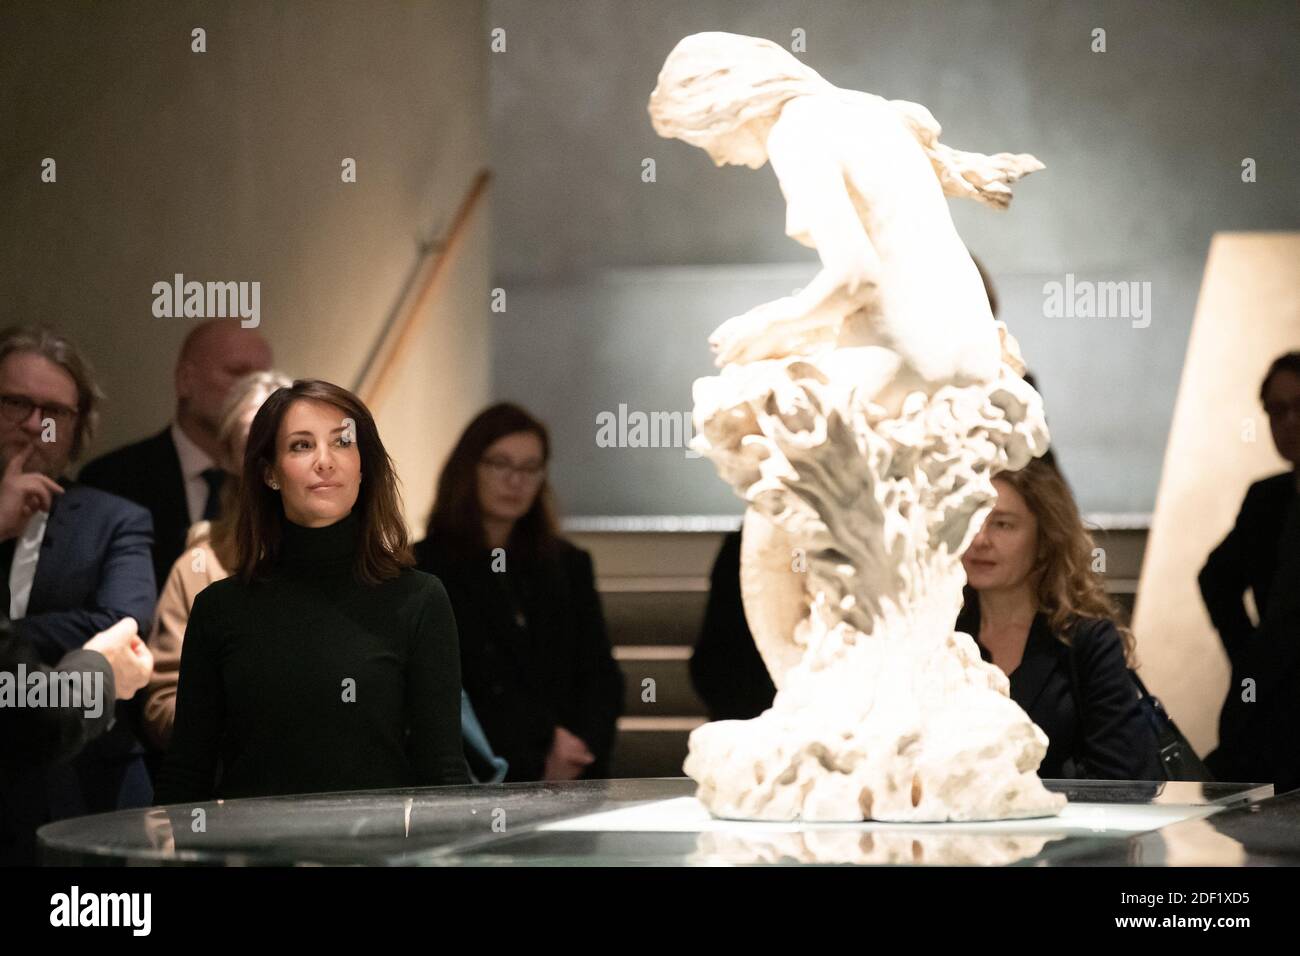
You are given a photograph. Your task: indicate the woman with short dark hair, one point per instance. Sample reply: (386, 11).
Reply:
(325, 661)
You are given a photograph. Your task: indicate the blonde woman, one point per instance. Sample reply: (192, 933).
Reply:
(1039, 612)
(209, 552)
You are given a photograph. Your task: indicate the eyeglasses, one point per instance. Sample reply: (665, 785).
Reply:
(502, 468)
(18, 408)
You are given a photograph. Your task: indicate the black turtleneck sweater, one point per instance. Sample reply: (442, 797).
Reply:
(310, 681)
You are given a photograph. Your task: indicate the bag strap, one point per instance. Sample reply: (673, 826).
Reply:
(1175, 752)
(1143, 693)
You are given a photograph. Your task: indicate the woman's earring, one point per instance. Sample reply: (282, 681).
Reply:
(275, 485)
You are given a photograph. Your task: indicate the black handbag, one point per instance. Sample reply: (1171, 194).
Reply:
(1178, 757)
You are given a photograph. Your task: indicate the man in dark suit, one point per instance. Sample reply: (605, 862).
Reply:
(1250, 557)
(73, 560)
(111, 666)
(1278, 659)
(175, 472)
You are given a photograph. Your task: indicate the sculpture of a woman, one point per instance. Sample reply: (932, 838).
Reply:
(861, 420)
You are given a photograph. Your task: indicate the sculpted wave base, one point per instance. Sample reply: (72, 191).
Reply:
(883, 712)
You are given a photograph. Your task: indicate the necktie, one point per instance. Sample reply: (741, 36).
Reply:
(212, 508)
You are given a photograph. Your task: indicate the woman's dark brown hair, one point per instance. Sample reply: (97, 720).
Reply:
(1066, 585)
(456, 522)
(383, 549)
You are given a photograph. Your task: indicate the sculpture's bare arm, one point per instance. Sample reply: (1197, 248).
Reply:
(810, 171)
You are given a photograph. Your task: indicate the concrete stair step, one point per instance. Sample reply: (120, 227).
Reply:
(669, 668)
(659, 618)
(651, 746)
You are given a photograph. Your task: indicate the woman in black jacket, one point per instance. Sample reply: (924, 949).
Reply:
(325, 661)
(535, 659)
(1039, 612)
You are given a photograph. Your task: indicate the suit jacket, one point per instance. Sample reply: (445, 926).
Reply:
(1275, 662)
(148, 473)
(726, 668)
(33, 736)
(556, 669)
(34, 740)
(1103, 735)
(94, 569)
(1247, 558)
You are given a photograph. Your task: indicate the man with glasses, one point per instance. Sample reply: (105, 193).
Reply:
(74, 561)
(1251, 556)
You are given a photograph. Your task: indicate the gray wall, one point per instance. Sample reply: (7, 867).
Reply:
(225, 165)
(1143, 145)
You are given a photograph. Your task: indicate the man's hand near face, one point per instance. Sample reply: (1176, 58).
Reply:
(22, 494)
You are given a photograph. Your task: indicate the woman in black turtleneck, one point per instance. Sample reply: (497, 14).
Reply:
(326, 661)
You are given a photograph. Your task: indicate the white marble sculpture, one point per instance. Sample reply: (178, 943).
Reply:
(861, 420)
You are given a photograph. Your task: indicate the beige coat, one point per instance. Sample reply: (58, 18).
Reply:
(193, 571)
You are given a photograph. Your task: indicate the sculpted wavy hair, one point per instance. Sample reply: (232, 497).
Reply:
(714, 83)
(1066, 585)
(383, 550)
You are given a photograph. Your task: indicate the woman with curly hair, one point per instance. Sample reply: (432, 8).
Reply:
(1038, 610)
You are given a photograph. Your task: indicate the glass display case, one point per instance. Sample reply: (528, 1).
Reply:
(659, 822)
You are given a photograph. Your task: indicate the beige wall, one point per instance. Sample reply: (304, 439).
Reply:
(225, 165)
(433, 396)
(1219, 443)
